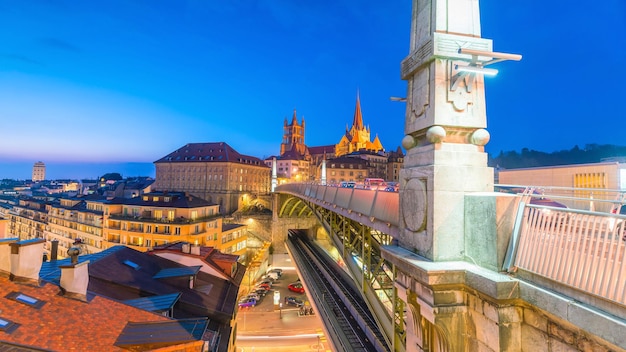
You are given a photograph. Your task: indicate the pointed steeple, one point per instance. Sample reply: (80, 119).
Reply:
(357, 122)
(294, 120)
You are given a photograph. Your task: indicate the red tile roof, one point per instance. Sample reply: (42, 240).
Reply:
(64, 324)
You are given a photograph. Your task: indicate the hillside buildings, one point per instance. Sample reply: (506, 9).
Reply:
(214, 172)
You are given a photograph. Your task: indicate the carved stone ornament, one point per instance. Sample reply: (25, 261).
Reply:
(414, 205)
(420, 93)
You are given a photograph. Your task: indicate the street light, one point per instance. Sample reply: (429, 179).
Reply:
(280, 307)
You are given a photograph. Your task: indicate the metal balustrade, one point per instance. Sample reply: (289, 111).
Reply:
(581, 249)
(578, 249)
(378, 205)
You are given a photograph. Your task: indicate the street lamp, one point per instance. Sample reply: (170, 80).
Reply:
(280, 307)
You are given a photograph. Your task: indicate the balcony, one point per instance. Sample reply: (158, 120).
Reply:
(178, 220)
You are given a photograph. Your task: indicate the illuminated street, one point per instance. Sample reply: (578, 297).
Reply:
(267, 327)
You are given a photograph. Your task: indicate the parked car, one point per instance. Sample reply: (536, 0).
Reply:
(273, 275)
(277, 271)
(257, 297)
(247, 302)
(260, 291)
(269, 283)
(296, 287)
(266, 287)
(293, 301)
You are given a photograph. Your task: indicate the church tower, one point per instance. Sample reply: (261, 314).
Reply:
(293, 136)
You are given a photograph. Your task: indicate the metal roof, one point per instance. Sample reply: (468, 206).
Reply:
(50, 270)
(152, 335)
(177, 272)
(159, 303)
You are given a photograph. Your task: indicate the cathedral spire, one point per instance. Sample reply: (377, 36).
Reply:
(294, 120)
(357, 123)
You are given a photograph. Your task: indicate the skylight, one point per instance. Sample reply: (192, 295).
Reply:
(25, 299)
(132, 264)
(8, 326)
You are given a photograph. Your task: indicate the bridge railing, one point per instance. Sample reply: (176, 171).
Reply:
(377, 204)
(577, 249)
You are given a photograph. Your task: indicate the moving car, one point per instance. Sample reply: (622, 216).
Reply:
(392, 187)
(293, 301)
(296, 287)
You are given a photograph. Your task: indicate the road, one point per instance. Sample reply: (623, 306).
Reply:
(270, 328)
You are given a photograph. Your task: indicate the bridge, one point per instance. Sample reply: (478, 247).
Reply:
(447, 264)
(538, 277)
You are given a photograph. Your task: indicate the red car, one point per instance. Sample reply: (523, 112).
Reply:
(296, 287)
(266, 287)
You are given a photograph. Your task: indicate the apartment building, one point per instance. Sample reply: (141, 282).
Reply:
(27, 219)
(159, 218)
(74, 221)
(346, 169)
(95, 223)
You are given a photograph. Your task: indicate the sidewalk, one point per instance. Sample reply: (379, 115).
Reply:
(277, 323)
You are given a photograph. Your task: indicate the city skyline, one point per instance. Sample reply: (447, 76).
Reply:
(118, 83)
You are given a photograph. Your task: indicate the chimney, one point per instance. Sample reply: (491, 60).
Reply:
(26, 260)
(5, 256)
(54, 250)
(195, 250)
(186, 247)
(75, 277)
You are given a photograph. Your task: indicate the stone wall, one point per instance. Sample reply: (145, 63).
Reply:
(274, 231)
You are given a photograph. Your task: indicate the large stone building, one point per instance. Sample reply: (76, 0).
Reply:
(213, 171)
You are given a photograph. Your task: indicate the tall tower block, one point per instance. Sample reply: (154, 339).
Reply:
(39, 172)
(444, 128)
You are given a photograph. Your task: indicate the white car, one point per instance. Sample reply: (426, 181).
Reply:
(273, 275)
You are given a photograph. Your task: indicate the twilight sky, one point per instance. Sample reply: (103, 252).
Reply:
(129, 81)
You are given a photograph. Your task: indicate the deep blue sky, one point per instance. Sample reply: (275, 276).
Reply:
(121, 81)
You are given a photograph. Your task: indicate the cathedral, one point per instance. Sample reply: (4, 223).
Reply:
(357, 138)
(299, 162)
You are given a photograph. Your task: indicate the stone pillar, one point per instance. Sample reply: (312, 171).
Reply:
(444, 128)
